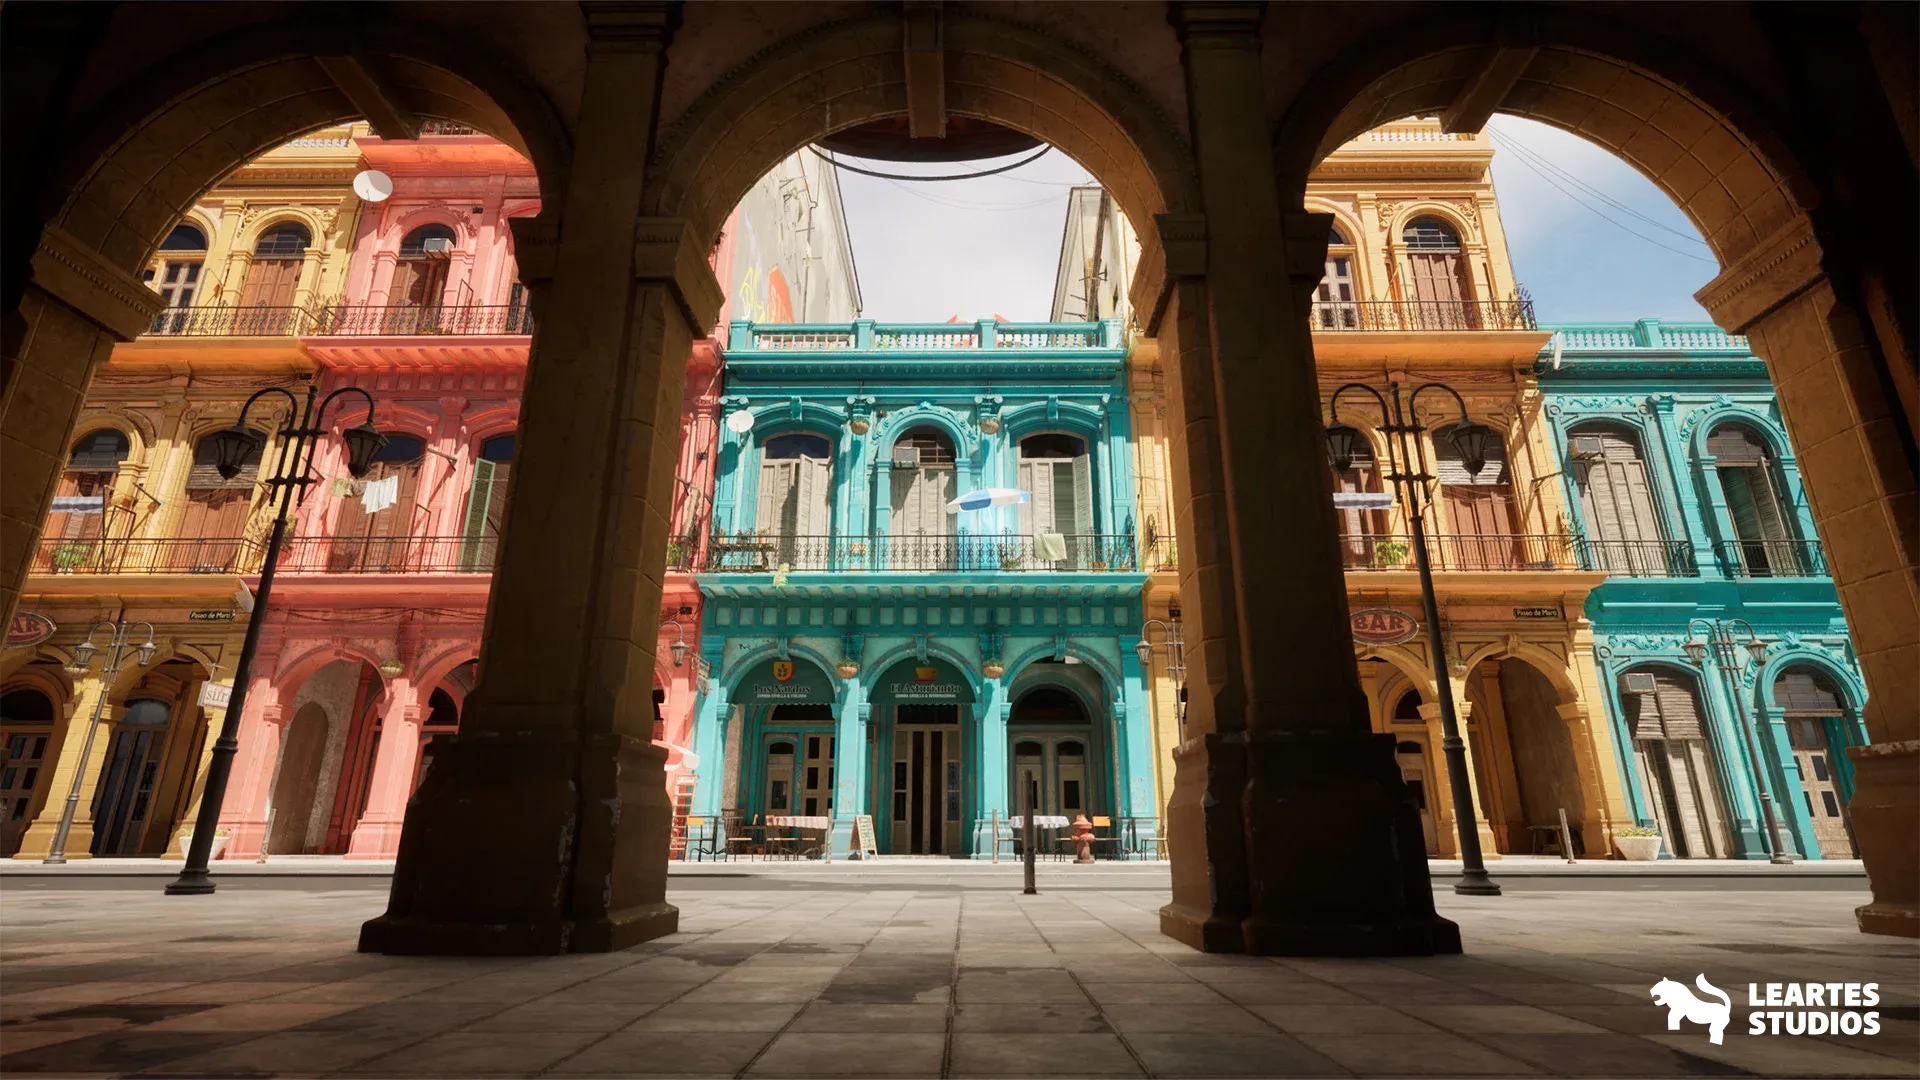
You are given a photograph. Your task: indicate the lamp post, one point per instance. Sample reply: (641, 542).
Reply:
(1719, 636)
(679, 647)
(290, 474)
(1176, 649)
(82, 654)
(1407, 460)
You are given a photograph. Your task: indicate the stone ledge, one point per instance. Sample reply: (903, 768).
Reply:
(84, 280)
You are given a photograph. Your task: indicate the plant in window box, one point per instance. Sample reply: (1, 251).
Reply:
(1637, 843)
(1390, 553)
(68, 556)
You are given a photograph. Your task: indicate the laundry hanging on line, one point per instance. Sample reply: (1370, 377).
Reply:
(380, 494)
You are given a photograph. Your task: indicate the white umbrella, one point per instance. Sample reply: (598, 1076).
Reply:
(985, 497)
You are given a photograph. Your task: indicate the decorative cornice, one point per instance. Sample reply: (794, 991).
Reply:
(1775, 271)
(665, 250)
(86, 281)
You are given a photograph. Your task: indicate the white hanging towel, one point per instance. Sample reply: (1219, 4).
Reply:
(380, 494)
(1049, 546)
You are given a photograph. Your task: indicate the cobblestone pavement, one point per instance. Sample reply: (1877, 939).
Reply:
(938, 982)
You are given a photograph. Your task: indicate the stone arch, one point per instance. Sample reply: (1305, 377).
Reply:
(899, 422)
(1853, 693)
(1552, 667)
(776, 419)
(1469, 231)
(419, 217)
(967, 667)
(1038, 680)
(737, 669)
(137, 428)
(251, 231)
(1035, 418)
(1109, 674)
(1411, 666)
(1705, 421)
(1655, 104)
(843, 73)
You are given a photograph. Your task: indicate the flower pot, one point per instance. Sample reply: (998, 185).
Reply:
(220, 841)
(1638, 848)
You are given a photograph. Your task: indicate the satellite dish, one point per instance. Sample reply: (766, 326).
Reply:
(740, 422)
(373, 185)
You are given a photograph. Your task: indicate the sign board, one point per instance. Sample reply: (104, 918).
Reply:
(1383, 626)
(28, 628)
(210, 616)
(215, 696)
(863, 842)
(1536, 613)
(785, 682)
(932, 682)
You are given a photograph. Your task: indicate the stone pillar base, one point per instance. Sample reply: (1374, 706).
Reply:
(531, 842)
(1885, 810)
(1333, 857)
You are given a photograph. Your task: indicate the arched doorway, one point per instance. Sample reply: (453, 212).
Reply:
(1819, 728)
(302, 757)
(1674, 754)
(26, 728)
(923, 756)
(1058, 747)
(1524, 757)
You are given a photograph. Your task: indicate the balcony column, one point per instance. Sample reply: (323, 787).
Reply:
(78, 305)
(1684, 495)
(67, 769)
(1286, 748)
(992, 751)
(1133, 744)
(262, 725)
(395, 762)
(1440, 789)
(851, 716)
(543, 826)
(710, 719)
(1727, 736)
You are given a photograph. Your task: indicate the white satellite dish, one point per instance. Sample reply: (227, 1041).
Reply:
(740, 422)
(373, 185)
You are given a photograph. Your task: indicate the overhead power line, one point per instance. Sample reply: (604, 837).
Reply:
(1603, 215)
(1513, 144)
(829, 159)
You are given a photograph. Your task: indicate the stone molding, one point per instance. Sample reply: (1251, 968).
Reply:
(665, 250)
(1773, 272)
(1306, 239)
(84, 280)
(1183, 257)
(536, 247)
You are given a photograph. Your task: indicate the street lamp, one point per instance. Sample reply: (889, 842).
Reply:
(1719, 635)
(679, 646)
(1176, 650)
(232, 447)
(82, 655)
(1407, 462)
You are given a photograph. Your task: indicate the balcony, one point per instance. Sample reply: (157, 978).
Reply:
(252, 322)
(221, 555)
(1086, 552)
(1773, 558)
(1374, 316)
(1640, 558)
(1463, 551)
(405, 320)
(389, 555)
(1161, 553)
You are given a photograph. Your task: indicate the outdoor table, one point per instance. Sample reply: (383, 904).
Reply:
(814, 822)
(1041, 823)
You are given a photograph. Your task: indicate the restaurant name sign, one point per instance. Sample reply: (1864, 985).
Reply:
(28, 628)
(1383, 626)
(785, 682)
(924, 682)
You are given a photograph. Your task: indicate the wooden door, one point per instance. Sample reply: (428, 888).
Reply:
(1480, 523)
(925, 790)
(379, 542)
(1826, 809)
(920, 527)
(125, 798)
(271, 283)
(816, 776)
(485, 517)
(1439, 291)
(1617, 501)
(22, 753)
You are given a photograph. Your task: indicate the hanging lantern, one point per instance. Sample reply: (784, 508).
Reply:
(847, 668)
(1472, 441)
(1696, 651)
(1342, 441)
(990, 425)
(993, 668)
(363, 443)
(231, 448)
(391, 669)
(860, 425)
(143, 653)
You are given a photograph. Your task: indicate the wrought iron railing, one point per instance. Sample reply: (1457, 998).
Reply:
(1341, 315)
(223, 321)
(215, 555)
(1462, 551)
(867, 336)
(1160, 553)
(388, 555)
(762, 554)
(1773, 558)
(1640, 558)
(371, 320)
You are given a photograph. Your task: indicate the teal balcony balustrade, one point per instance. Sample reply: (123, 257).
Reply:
(1650, 335)
(1773, 558)
(983, 553)
(866, 336)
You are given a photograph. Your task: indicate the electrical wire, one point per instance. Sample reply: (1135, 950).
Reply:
(1610, 220)
(957, 204)
(824, 156)
(1514, 145)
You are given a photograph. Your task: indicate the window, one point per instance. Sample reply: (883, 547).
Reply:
(1362, 530)
(1763, 542)
(1669, 735)
(486, 511)
(1057, 472)
(1334, 307)
(795, 497)
(1807, 692)
(420, 280)
(81, 502)
(177, 275)
(1480, 510)
(923, 484)
(274, 274)
(288, 240)
(216, 510)
(1407, 710)
(1617, 501)
(427, 240)
(377, 541)
(1436, 285)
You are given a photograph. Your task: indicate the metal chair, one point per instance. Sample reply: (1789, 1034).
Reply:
(702, 839)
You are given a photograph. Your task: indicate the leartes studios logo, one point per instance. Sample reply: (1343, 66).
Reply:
(1783, 1008)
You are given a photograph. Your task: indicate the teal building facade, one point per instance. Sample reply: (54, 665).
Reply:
(1682, 480)
(870, 650)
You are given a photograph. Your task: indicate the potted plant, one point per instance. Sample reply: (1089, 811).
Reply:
(1389, 553)
(1637, 843)
(68, 556)
(220, 840)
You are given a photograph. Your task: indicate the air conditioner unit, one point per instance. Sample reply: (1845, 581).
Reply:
(906, 457)
(1588, 446)
(437, 246)
(1639, 682)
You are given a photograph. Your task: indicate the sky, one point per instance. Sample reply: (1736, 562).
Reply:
(975, 248)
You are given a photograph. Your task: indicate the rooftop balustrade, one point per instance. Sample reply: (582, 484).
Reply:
(1011, 553)
(1646, 334)
(1333, 316)
(865, 336)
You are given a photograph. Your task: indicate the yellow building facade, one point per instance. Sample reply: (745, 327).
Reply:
(1419, 289)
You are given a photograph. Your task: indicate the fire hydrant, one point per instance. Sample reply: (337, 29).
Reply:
(1083, 838)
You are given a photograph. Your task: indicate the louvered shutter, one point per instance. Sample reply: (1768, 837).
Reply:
(270, 283)
(1081, 474)
(474, 525)
(1042, 516)
(937, 492)
(1029, 510)
(775, 509)
(1450, 470)
(1643, 715)
(816, 497)
(1732, 444)
(1679, 711)
(1801, 692)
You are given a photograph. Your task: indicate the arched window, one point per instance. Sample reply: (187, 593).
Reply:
(1407, 709)
(373, 530)
(486, 512)
(441, 711)
(274, 274)
(1816, 724)
(1763, 537)
(923, 484)
(124, 803)
(1436, 277)
(176, 274)
(1057, 472)
(26, 723)
(795, 497)
(420, 273)
(1363, 530)
(184, 237)
(1616, 498)
(1669, 734)
(1480, 511)
(1334, 306)
(81, 503)
(215, 518)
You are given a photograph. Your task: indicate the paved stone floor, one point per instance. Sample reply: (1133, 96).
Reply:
(834, 981)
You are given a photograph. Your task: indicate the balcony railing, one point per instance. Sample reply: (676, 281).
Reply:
(851, 554)
(221, 321)
(1462, 551)
(985, 335)
(220, 555)
(388, 555)
(1773, 558)
(1161, 553)
(369, 320)
(1640, 558)
(1363, 315)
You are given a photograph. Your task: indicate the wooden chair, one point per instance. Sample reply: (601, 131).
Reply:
(1004, 836)
(740, 838)
(702, 839)
(1109, 837)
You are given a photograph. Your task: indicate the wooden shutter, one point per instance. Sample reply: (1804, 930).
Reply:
(817, 497)
(270, 283)
(1679, 711)
(1080, 472)
(1643, 716)
(1043, 517)
(1029, 510)
(775, 504)
(475, 553)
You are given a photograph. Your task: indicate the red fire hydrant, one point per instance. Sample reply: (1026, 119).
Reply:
(1083, 838)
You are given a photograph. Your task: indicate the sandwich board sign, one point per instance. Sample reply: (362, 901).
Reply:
(863, 841)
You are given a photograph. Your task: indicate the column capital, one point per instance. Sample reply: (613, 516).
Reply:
(1217, 23)
(1307, 234)
(1772, 272)
(630, 25)
(665, 250)
(86, 281)
(536, 247)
